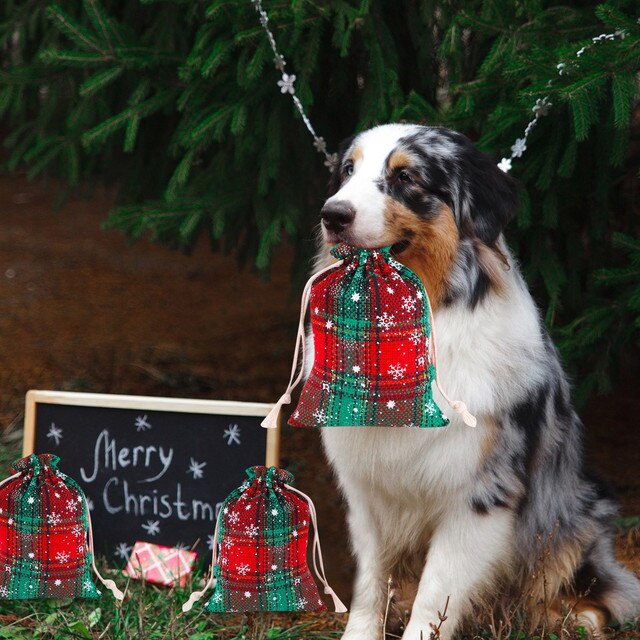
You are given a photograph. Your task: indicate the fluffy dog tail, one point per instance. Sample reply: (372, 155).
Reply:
(615, 588)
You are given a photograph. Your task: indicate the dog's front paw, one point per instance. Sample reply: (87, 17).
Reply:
(421, 630)
(363, 627)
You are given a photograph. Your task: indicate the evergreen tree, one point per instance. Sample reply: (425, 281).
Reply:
(175, 102)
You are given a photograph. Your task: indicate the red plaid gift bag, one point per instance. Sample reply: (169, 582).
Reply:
(259, 558)
(374, 348)
(46, 541)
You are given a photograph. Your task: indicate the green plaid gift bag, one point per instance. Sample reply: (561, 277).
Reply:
(46, 541)
(260, 549)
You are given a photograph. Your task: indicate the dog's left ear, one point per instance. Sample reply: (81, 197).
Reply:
(489, 196)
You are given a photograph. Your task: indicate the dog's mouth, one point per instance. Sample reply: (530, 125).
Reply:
(399, 247)
(396, 248)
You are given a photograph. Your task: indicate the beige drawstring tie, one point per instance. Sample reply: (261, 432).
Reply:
(109, 584)
(271, 421)
(211, 582)
(316, 553)
(457, 405)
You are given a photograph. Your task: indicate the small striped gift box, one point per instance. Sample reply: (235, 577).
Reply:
(161, 565)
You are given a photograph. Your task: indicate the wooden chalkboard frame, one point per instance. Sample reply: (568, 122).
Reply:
(146, 403)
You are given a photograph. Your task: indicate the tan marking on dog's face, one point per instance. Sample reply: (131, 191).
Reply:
(434, 243)
(356, 154)
(399, 160)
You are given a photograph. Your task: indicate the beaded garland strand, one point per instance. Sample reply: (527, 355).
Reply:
(540, 108)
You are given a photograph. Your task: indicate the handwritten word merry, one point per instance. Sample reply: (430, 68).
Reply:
(107, 455)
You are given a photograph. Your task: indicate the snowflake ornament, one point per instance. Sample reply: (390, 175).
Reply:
(320, 144)
(518, 148)
(286, 84)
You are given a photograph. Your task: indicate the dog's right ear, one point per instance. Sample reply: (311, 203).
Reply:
(334, 180)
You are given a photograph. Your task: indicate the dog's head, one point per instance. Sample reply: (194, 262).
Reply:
(428, 192)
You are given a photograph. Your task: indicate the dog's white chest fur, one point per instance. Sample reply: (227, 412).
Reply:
(487, 358)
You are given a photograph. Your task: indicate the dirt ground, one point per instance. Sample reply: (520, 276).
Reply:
(82, 310)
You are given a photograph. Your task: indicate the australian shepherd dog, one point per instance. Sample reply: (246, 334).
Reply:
(477, 518)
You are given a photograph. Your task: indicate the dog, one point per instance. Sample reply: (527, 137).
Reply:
(474, 518)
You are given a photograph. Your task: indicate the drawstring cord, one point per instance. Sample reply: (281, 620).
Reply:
(13, 477)
(109, 584)
(271, 421)
(211, 582)
(457, 405)
(316, 552)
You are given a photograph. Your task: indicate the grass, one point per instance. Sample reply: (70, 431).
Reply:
(153, 613)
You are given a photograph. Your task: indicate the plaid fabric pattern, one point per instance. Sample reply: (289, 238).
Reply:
(372, 364)
(43, 534)
(262, 562)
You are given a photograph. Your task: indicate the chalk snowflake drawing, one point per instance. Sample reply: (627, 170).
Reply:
(196, 469)
(55, 433)
(90, 504)
(182, 546)
(123, 550)
(232, 434)
(152, 527)
(210, 542)
(142, 424)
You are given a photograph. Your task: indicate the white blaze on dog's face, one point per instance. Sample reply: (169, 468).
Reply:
(361, 170)
(428, 193)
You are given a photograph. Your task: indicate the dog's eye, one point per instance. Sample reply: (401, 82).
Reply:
(348, 169)
(404, 176)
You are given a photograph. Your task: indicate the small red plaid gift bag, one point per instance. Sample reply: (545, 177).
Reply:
(374, 348)
(46, 541)
(261, 533)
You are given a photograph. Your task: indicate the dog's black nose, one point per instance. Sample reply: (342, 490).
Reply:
(337, 216)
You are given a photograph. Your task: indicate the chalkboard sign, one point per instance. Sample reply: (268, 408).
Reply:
(153, 469)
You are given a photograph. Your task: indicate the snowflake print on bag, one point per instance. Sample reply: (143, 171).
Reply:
(396, 371)
(385, 320)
